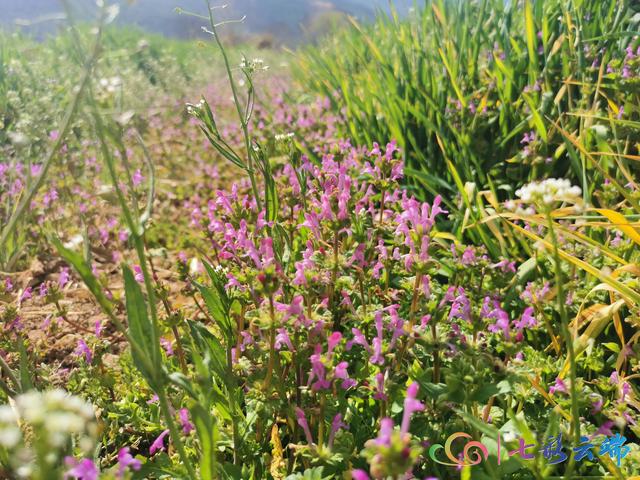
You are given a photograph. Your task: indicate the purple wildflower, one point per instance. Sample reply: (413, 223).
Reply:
(358, 339)
(98, 328)
(527, 320)
(63, 279)
(83, 349)
(302, 421)
(84, 469)
(333, 340)
(187, 426)
(359, 475)
(336, 425)
(282, 338)
(167, 345)
(558, 386)
(342, 373)
(158, 443)
(597, 406)
(461, 307)
(411, 405)
(26, 294)
(380, 395)
(137, 178)
(386, 430)
(138, 275)
(125, 461)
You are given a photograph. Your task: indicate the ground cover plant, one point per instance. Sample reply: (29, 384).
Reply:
(213, 270)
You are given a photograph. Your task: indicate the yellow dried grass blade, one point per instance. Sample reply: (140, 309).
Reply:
(623, 290)
(618, 220)
(600, 316)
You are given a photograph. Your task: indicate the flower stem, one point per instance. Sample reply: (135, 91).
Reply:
(575, 419)
(272, 345)
(175, 434)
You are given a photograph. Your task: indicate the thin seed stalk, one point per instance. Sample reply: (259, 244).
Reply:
(175, 434)
(436, 352)
(272, 345)
(243, 119)
(334, 276)
(232, 407)
(137, 232)
(414, 300)
(575, 419)
(412, 311)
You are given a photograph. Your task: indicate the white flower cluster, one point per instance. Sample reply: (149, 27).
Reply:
(254, 65)
(110, 85)
(192, 108)
(547, 192)
(283, 137)
(45, 422)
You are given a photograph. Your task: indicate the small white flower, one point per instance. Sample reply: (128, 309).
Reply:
(281, 137)
(194, 266)
(10, 436)
(546, 193)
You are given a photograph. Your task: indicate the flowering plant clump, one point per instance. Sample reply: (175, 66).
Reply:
(39, 429)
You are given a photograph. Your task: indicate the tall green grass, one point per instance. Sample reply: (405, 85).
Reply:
(459, 83)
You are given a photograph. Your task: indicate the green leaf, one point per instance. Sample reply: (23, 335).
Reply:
(26, 382)
(206, 430)
(216, 310)
(141, 329)
(231, 472)
(217, 302)
(536, 117)
(209, 347)
(531, 39)
(271, 200)
(310, 474)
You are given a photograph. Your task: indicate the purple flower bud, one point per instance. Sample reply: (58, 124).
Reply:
(333, 340)
(63, 279)
(411, 405)
(302, 421)
(380, 395)
(336, 425)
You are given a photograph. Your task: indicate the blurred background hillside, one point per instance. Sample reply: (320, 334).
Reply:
(280, 21)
